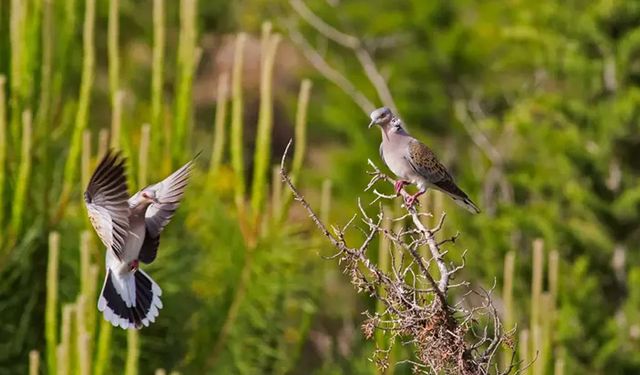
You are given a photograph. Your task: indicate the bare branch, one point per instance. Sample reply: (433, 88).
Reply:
(446, 337)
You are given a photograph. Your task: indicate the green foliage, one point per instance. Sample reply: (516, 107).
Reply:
(551, 85)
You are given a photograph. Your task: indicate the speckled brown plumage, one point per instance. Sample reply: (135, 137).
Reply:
(425, 162)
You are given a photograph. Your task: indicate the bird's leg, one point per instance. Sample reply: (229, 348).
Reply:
(134, 265)
(398, 185)
(412, 198)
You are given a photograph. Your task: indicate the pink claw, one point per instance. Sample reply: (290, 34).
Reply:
(398, 185)
(412, 198)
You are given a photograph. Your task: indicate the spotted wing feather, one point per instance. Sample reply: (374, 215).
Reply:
(106, 201)
(425, 163)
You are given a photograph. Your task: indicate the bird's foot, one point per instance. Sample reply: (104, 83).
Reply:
(398, 185)
(411, 200)
(133, 266)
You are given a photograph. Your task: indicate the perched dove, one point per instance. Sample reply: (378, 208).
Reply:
(130, 228)
(413, 162)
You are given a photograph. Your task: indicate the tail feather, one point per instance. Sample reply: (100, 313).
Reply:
(130, 301)
(466, 203)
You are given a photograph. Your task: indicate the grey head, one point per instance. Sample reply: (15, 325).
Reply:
(387, 121)
(381, 116)
(144, 198)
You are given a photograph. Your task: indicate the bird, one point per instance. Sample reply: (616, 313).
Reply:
(130, 228)
(413, 162)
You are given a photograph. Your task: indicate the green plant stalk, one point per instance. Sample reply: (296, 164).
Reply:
(82, 338)
(262, 153)
(43, 116)
(536, 293)
(143, 155)
(17, 40)
(276, 193)
(507, 298)
(558, 367)
(51, 304)
(237, 144)
(61, 355)
(24, 172)
(103, 356)
(103, 142)
(82, 113)
(157, 71)
(186, 67)
(301, 128)
(85, 158)
(523, 350)
(3, 153)
(300, 142)
(133, 353)
(66, 359)
(217, 152)
(116, 120)
(34, 362)
(44, 103)
(113, 49)
(91, 298)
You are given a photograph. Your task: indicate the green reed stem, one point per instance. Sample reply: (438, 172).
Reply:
(116, 120)
(3, 152)
(301, 128)
(186, 67)
(157, 71)
(85, 158)
(143, 156)
(103, 356)
(66, 359)
(237, 144)
(507, 298)
(262, 153)
(536, 295)
(34, 362)
(44, 104)
(17, 31)
(51, 304)
(217, 152)
(62, 367)
(133, 352)
(103, 142)
(113, 49)
(82, 338)
(523, 350)
(300, 142)
(82, 113)
(24, 172)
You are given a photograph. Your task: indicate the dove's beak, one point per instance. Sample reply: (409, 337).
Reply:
(371, 124)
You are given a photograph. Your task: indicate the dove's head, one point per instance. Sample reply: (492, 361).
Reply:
(148, 196)
(381, 116)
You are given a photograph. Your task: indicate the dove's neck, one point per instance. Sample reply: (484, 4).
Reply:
(138, 206)
(391, 131)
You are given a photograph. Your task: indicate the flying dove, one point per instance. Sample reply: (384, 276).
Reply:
(413, 162)
(130, 228)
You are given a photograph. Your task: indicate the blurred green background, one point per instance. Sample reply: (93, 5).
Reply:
(533, 105)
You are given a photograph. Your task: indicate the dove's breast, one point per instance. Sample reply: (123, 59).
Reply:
(395, 157)
(135, 237)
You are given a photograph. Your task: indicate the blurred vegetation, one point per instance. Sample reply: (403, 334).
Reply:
(532, 105)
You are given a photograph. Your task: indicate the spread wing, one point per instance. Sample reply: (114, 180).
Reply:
(425, 163)
(106, 200)
(169, 192)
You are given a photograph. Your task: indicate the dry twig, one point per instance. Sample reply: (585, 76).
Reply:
(446, 337)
